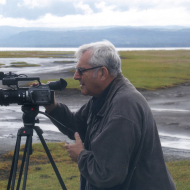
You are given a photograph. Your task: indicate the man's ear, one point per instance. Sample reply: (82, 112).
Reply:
(104, 73)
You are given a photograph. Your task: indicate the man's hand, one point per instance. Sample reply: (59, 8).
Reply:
(75, 149)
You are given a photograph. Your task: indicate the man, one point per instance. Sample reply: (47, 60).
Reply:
(121, 149)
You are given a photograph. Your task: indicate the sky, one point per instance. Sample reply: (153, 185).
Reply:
(94, 13)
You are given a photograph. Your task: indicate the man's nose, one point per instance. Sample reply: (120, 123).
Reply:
(77, 75)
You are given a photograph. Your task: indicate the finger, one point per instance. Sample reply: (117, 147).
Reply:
(67, 145)
(34, 84)
(77, 137)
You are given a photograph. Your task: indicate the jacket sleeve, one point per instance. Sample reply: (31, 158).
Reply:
(108, 162)
(74, 121)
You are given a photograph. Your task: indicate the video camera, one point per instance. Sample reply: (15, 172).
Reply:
(42, 94)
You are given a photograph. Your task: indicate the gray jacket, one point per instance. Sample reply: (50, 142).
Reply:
(122, 145)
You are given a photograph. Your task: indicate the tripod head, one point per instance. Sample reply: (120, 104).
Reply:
(29, 114)
(31, 111)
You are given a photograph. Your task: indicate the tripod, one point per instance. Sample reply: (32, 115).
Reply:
(30, 112)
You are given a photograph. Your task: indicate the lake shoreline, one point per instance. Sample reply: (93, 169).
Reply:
(73, 49)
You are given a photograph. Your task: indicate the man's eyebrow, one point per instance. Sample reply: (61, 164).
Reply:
(79, 68)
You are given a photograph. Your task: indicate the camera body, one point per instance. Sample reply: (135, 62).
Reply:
(42, 94)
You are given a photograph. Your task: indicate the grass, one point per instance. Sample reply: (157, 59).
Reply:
(40, 54)
(71, 83)
(180, 171)
(1, 64)
(156, 69)
(64, 62)
(22, 64)
(41, 174)
(18, 63)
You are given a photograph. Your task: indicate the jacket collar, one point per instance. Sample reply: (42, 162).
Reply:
(115, 85)
(98, 102)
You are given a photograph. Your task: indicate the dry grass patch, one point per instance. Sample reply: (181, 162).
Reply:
(41, 174)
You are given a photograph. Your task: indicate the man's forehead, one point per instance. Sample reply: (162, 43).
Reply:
(82, 65)
(84, 59)
(86, 55)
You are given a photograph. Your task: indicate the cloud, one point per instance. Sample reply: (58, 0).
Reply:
(133, 17)
(144, 4)
(40, 3)
(60, 13)
(34, 3)
(3, 2)
(16, 9)
(123, 4)
(104, 8)
(84, 7)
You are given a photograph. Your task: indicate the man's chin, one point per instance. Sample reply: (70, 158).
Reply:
(83, 92)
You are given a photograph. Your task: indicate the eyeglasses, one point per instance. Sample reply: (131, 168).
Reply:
(81, 71)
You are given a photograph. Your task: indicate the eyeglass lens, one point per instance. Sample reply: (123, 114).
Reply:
(79, 70)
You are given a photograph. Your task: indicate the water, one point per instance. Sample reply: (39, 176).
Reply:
(46, 65)
(169, 110)
(74, 49)
(11, 118)
(175, 141)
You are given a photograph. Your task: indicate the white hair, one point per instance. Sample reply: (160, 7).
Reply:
(104, 54)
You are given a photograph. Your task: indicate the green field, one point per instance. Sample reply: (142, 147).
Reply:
(156, 69)
(23, 64)
(41, 175)
(40, 54)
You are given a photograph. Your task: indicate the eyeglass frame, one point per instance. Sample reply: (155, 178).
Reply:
(80, 70)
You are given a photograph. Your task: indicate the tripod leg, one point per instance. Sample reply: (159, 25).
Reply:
(38, 130)
(27, 161)
(14, 164)
(22, 165)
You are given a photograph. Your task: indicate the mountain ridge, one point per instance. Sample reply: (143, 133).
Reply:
(119, 36)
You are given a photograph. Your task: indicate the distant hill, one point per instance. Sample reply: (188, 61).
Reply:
(119, 36)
